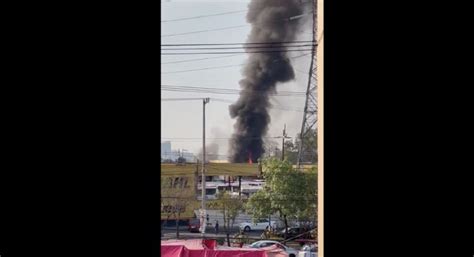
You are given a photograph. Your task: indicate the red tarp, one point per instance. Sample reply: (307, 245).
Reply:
(209, 243)
(194, 244)
(275, 251)
(207, 248)
(182, 251)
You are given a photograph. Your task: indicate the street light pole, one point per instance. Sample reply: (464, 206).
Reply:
(203, 176)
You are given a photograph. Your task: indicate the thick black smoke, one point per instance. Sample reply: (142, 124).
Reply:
(270, 23)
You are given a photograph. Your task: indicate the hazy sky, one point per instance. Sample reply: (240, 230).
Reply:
(181, 120)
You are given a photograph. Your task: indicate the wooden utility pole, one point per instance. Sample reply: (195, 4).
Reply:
(284, 136)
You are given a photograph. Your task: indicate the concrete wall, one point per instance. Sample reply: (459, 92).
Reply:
(217, 215)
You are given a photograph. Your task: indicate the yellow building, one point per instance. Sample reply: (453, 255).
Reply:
(179, 182)
(179, 185)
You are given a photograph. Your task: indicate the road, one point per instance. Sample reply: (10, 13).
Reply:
(170, 233)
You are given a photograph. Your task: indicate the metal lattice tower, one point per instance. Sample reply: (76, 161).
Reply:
(311, 108)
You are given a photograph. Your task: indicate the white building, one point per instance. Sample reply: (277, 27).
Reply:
(165, 149)
(168, 154)
(248, 187)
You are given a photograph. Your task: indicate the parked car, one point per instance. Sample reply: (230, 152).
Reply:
(265, 243)
(194, 225)
(309, 251)
(294, 231)
(259, 225)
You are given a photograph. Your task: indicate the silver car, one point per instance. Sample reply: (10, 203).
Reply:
(261, 224)
(309, 251)
(266, 243)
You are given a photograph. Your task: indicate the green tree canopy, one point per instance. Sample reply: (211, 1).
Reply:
(230, 208)
(287, 191)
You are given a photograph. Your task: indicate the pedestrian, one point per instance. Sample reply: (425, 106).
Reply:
(217, 227)
(266, 233)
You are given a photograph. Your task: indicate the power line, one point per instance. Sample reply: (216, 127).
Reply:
(233, 101)
(245, 52)
(200, 59)
(240, 47)
(203, 16)
(247, 43)
(234, 27)
(219, 67)
(225, 90)
(217, 57)
(212, 15)
(201, 31)
(228, 93)
(213, 138)
(283, 108)
(208, 68)
(180, 99)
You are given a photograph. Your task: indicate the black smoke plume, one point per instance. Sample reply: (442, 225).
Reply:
(271, 23)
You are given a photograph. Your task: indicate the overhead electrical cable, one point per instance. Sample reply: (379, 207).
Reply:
(224, 90)
(219, 67)
(248, 43)
(203, 16)
(218, 57)
(232, 27)
(245, 52)
(200, 59)
(201, 31)
(231, 48)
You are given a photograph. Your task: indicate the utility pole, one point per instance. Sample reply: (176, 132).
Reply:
(203, 176)
(285, 136)
(240, 187)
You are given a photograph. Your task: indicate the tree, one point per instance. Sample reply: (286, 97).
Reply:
(273, 148)
(310, 146)
(230, 207)
(174, 198)
(311, 196)
(259, 205)
(181, 160)
(286, 191)
(291, 152)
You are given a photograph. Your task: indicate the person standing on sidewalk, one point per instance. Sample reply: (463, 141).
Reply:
(217, 227)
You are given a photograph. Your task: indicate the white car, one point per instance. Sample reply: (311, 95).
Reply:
(266, 243)
(309, 251)
(259, 225)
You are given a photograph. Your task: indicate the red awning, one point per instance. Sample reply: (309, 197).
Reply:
(206, 248)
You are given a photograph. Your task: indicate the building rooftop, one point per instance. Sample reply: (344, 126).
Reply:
(212, 169)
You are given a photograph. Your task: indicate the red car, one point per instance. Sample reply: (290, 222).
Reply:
(194, 225)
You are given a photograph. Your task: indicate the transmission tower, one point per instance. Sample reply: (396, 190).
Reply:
(310, 108)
